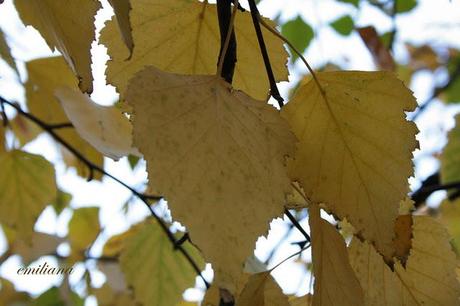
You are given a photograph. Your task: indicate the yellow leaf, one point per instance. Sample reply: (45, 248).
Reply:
(10, 297)
(305, 300)
(106, 296)
(116, 243)
(216, 152)
(67, 26)
(428, 279)
(2, 138)
(84, 227)
(355, 148)
(450, 158)
(5, 53)
(122, 9)
(335, 280)
(105, 128)
(403, 237)
(44, 77)
(262, 290)
(24, 130)
(157, 273)
(296, 199)
(212, 296)
(28, 185)
(183, 37)
(450, 217)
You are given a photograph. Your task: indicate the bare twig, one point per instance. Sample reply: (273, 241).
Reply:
(227, 55)
(263, 49)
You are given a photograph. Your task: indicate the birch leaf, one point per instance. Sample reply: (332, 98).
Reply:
(216, 152)
(5, 53)
(44, 77)
(84, 227)
(355, 148)
(122, 9)
(262, 290)
(157, 273)
(28, 185)
(182, 36)
(105, 128)
(450, 158)
(428, 279)
(67, 26)
(335, 280)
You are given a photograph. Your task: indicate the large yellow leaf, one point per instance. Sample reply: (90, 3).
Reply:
(305, 300)
(335, 280)
(262, 290)
(42, 244)
(450, 158)
(214, 152)
(67, 26)
(182, 36)
(44, 77)
(428, 279)
(355, 148)
(84, 227)
(157, 273)
(450, 217)
(104, 127)
(122, 9)
(27, 185)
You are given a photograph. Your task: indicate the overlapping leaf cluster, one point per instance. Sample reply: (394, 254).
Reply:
(226, 161)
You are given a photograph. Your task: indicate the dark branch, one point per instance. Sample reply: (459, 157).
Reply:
(432, 184)
(95, 168)
(224, 13)
(297, 225)
(263, 49)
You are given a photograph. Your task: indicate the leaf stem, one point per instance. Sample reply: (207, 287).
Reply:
(93, 167)
(263, 49)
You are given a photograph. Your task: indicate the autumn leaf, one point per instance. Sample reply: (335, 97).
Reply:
(122, 9)
(2, 138)
(450, 158)
(5, 53)
(335, 280)
(429, 277)
(9, 296)
(450, 217)
(157, 273)
(105, 128)
(403, 238)
(84, 227)
(67, 26)
(106, 296)
(44, 77)
(183, 37)
(27, 185)
(24, 130)
(262, 290)
(355, 147)
(305, 300)
(216, 152)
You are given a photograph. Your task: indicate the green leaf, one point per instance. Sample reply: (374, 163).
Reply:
(51, 297)
(27, 185)
(403, 6)
(344, 25)
(299, 33)
(452, 93)
(133, 161)
(158, 274)
(353, 2)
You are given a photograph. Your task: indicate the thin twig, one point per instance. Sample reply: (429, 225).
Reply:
(227, 55)
(297, 224)
(93, 167)
(263, 49)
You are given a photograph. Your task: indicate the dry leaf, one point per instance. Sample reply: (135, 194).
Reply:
(214, 152)
(355, 148)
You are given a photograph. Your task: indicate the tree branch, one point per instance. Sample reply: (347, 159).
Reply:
(263, 49)
(93, 167)
(297, 224)
(224, 13)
